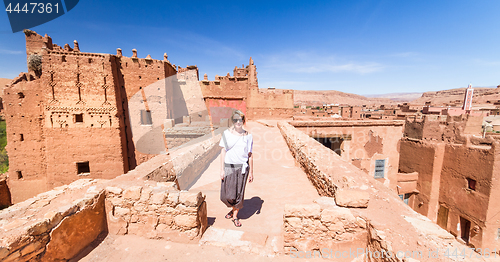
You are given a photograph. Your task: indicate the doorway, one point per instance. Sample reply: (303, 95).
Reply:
(464, 229)
(442, 220)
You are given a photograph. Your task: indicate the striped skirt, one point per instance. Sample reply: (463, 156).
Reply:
(232, 190)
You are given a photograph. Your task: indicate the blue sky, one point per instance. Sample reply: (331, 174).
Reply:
(361, 47)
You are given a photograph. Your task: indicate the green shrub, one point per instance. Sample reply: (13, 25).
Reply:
(4, 159)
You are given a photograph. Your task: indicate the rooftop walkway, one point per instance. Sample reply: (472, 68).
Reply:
(277, 181)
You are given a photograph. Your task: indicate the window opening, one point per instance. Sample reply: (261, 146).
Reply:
(19, 175)
(405, 198)
(471, 184)
(379, 168)
(146, 117)
(79, 118)
(83, 168)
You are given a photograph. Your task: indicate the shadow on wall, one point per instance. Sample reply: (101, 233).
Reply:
(155, 106)
(5, 198)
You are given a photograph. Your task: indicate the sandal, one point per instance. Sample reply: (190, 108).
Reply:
(236, 222)
(229, 215)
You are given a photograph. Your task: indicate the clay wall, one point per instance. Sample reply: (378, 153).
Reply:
(462, 163)
(224, 95)
(356, 112)
(367, 199)
(25, 146)
(226, 87)
(363, 142)
(278, 103)
(444, 171)
(240, 91)
(81, 101)
(46, 227)
(444, 128)
(192, 95)
(492, 224)
(326, 228)
(224, 108)
(83, 111)
(141, 72)
(271, 113)
(133, 75)
(345, 112)
(420, 157)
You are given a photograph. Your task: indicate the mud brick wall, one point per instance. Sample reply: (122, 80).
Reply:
(177, 136)
(392, 225)
(59, 224)
(326, 170)
(313, 227)
(25, 146)
(55, 225)
(274, 103)
(155, 211)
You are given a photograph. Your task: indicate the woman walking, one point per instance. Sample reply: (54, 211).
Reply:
(236, 165)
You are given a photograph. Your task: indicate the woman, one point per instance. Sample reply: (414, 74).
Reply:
(236, 165)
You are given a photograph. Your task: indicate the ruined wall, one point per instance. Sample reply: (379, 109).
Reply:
(393, 227)
(25, 146)
(323, 228)
(192, 95)
(134, 74)
(73, 102)
(47, 228)
(462, 163)
(155, 211)
(274, 103)
(59, 224)
(362, 143)
(241, 91)
(224, 95)
(444, 193)
(35, 228)
(420, 157)
(492, 224)
(450, 129)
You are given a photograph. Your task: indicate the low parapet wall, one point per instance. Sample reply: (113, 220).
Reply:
(349, 189)
(59, 224)
(394, 231)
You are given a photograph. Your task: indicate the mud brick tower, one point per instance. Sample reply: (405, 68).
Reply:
(68, 116)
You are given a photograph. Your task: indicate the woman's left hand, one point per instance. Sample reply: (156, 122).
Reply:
(250, 178)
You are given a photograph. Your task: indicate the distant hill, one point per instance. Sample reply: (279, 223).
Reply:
(456, 96)
(318, 98)
(398, 97)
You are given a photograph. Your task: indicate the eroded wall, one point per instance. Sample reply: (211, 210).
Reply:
(420, 157)
(462, 163)
(241, 92)
(362, 143)
(70, 118)
(392, 226)
(456, 183)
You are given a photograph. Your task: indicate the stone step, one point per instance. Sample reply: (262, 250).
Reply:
(237, 239)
